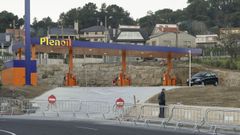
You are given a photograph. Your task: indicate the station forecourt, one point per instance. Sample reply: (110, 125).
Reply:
(14, 71)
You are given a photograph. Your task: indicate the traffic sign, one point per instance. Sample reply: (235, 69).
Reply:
(119, 103)
(52, 99)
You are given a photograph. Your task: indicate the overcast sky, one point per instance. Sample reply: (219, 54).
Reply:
(53, 8)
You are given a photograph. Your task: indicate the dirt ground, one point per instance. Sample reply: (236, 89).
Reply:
(203, 96)
(23, 92)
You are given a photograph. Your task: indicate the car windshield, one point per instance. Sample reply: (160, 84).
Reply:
(200, 74)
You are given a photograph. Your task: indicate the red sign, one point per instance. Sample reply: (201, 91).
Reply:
(119, 103)
(52, 99)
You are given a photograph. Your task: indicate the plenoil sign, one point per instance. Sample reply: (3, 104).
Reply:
(55, 42)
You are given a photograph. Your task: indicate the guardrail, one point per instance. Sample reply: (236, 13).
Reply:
(151, 113)
(222, 118)
(10, 106)
(64, 107)
(94, 107)
(129, 112)
(182, 115)
(177, 115)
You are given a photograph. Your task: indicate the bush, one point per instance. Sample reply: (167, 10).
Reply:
(231, 64)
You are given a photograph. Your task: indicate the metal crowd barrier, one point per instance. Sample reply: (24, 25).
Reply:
(222, 119)
(128, 112)
(186, 115)
(150, 113)
(177, 115)
(65, 107)
(10, 106)
(94, 108)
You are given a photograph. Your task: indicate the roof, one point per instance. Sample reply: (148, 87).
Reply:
(94, 29)
(165, 28)
(129, 27)
(64, 31)
(128, 34)
(167, 25)
(205, 36)
(164, 33)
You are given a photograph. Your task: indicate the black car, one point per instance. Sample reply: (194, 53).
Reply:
(204, 78)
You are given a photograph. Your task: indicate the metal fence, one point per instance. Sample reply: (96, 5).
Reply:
(178, 115)
(187, 115)
(151, 113)
(94, 108)
(61, 107)
(10, 106)
(222, 118)
(129, 112)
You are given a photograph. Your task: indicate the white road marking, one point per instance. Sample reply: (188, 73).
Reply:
(8, 132)
(88, 128)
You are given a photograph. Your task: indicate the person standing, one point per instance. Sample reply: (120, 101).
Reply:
(162, 103)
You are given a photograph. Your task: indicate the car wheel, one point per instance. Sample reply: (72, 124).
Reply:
(203, 84)
(215, 84)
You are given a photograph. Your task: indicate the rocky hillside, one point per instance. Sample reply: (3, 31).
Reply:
(141, 74)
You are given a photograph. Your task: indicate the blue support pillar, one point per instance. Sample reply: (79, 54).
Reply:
(27, 43)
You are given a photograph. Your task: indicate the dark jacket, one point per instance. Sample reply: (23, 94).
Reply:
(161, 98)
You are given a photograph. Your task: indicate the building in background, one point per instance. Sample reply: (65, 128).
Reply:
(64, 33)
(4, 44)
(127, 34)
(159, 28)
(224, 32)
(169, 35)
(206, 41)
(95, 34)
(183, 40)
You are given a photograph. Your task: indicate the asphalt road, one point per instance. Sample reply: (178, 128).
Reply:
(44, 127)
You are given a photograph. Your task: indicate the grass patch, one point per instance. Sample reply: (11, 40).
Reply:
(203, 96)
(226, 63)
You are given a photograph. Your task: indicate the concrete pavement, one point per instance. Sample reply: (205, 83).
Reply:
(46, 127)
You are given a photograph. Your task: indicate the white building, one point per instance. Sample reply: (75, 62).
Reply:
(206, 41)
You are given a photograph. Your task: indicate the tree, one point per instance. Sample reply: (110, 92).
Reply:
(41, 27)
(86, 16)
(6, 20)
(232, 45)
(199, 28)
(235, 19)
(89, 15)
(164, 16)
(147, 23)
(118, 16)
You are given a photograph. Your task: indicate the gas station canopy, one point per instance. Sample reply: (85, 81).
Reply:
(114, 49)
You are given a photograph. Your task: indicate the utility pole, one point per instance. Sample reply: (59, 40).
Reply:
(27, 43)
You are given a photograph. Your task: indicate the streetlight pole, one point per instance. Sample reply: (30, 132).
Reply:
(190, 67)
